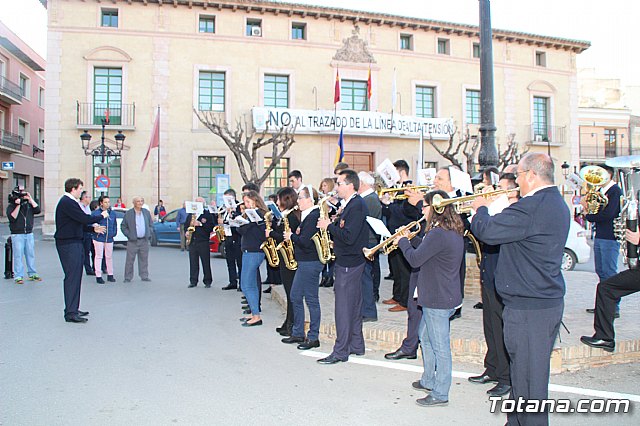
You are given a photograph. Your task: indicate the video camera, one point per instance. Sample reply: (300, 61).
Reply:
(18, 194)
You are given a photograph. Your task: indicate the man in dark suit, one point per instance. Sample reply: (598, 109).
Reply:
(71, 224)
(350, 234)
(531, 233)
(199, 247)
(371, 275)
(233, 253)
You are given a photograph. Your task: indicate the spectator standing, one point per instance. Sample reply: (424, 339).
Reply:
(20, 211)
(85, 201)
(136, 226)
(119, 204)
(160, 211)
(103, 243)
(181, 219)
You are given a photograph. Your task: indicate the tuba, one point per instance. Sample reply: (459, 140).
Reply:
(595, 178)
(286, 246)
(190, 230)
(269, 246)
(321, 238)
(628, 218)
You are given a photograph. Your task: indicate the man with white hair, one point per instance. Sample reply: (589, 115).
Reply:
(199, 247)
(371, 274)
(136, 226)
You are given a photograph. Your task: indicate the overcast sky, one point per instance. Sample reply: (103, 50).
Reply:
(611, 26)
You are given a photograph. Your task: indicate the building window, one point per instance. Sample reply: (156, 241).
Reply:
(476, 50)
(298, 31)
(541, 59)
(406, 42)
(19, 180)
(472, 107)
(443, 46)
(23, 131)
(37, 189)
(353, 95)
(208, 168)
(207, 24)
(254, 27)
(110, 18)
(211, 91)
(540, 118)
(40, 143)
(41, 97)
(111, 169)
(278, 177)
(107, 95)
(610, 141)
(276, 91)
(25, 89)
(425, 102)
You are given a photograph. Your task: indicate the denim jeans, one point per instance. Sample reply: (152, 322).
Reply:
(436, 351)
(22, 245)
(605, 253)
(250, 286)
(305, 286)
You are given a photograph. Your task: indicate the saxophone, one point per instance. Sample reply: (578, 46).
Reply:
(269, 246)
(191, 229)
(219, 230)
(321, 238)
(286, 246)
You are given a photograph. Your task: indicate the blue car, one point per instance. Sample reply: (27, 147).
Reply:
(166, 231)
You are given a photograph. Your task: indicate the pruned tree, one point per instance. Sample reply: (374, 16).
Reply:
(470, 146)
(244, 142)
(452, 150)
(511, 154)
(467, 146)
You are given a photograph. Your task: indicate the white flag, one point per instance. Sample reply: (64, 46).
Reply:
(394, 91)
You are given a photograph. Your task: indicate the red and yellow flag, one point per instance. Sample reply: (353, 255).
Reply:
(336, 90)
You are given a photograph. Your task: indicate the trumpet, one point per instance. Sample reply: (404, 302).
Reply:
(382, 191)
(463, 204)
(389, 245)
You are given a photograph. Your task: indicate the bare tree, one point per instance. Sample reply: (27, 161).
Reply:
(470, 146)
(511, 154)
(452, 151)
(467, 146)
(244, 143)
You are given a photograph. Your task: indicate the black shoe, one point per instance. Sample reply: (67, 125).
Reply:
(418, 386)
(330, 360)
(389, 277)
(356, 353)
(478, 305)
(499, 390)
(591, 310)
(309, 344)
(399, 355)
(76, 318)
(230, 287)
(83, 313)
(147, 280)
(457, 314)
(482, 379)
(430, 401)
(292, 339)
(244, 319)
(252, 324)
(207, 286)
(99, 280)
(192, 285)
(245, 306)
(267, 290)
(607, 345)
(329, 282)
(91, 273)
(111, 279)
(246, 311)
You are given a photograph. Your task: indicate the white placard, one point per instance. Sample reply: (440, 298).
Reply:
(460, 180)
(426, 176)
(227, 230)
(378, 227)
(238, 221)
(253, 215)
(495, 178)
(194, 207)
(229, 202)
(575, 182)
(388, 173)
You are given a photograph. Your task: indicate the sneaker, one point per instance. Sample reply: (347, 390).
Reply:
(35, 277)
(418, 386)
(19, 280)
(430, 401)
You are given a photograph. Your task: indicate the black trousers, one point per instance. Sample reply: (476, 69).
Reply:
(608, 296)
(233, 255)
(401, 277)
(71, 258)
(348, 311)
(529, 336)
(199, 253)
(496, 360)
(414, 315)
(88, 252)
(375, 274)
(287, 277)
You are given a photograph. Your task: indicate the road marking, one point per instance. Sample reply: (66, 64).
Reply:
(463, 375)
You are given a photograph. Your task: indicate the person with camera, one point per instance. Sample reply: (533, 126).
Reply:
(20, 212)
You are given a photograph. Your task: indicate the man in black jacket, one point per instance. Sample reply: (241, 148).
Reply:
(199, 247)
(20, 212)
(71, 223)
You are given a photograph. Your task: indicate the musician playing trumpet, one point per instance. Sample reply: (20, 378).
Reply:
(436, 259)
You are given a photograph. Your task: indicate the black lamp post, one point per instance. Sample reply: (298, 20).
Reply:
(488, 155)
(102, 150)
(565, 172)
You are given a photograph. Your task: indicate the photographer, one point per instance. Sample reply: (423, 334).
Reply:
(20, 211)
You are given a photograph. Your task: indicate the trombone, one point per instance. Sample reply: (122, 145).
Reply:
(393, 191)
(463, 204)
(389, 245)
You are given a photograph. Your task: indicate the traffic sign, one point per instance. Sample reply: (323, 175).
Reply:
(102, 182)
(8, 165)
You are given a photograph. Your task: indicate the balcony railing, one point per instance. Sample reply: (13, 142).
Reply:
(536, 134)
(92, 113)
(10, 140)
(599, 152)
(11, 90)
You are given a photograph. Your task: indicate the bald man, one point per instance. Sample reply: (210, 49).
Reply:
(199, 247)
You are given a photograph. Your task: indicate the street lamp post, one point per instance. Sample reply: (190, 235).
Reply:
(565, 172)
(102, 150)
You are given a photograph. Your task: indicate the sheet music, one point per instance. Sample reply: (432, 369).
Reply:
(388, 173)
(253, 215)
(194, 207)
(378, 227)
(238, 221)
(227, 230)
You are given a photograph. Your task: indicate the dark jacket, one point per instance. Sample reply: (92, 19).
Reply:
(128, 225)
(532, 233)
(350, 233)
(374, 209)
(305, 248)
(252, 235)
(71, 221)
(110, 223)
(23, 224)
(202, 233)
(438, 256)
(603, 220)
(396, 213)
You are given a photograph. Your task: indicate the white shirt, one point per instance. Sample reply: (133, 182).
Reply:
(533, 191)
(343, 203)
(306, 212)
(367, 192)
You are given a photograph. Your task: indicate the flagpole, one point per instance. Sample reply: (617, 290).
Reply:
(157, 118)
(421, 150)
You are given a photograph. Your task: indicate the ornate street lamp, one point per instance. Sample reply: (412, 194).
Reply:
(102, 150)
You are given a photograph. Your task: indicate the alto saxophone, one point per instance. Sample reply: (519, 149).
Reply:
(286, 246)
(191, 229)
(219, 230)
(321, 238)
(269, 246)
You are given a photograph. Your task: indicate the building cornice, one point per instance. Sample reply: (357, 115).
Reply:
(369, 18)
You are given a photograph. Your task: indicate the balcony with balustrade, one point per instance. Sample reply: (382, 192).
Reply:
(89, 115)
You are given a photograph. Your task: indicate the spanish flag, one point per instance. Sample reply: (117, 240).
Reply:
(336, 90)
(340, 151)
(369, 84)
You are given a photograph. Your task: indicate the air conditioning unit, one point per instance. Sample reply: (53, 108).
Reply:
(538, 138)
(256, 31)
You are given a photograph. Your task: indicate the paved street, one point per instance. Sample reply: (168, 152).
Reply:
(160, 354)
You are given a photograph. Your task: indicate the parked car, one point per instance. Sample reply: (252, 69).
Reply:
(576, 249)
(119, 238)
(166, 231)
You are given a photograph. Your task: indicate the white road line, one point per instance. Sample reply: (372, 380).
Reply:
(463, 375)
